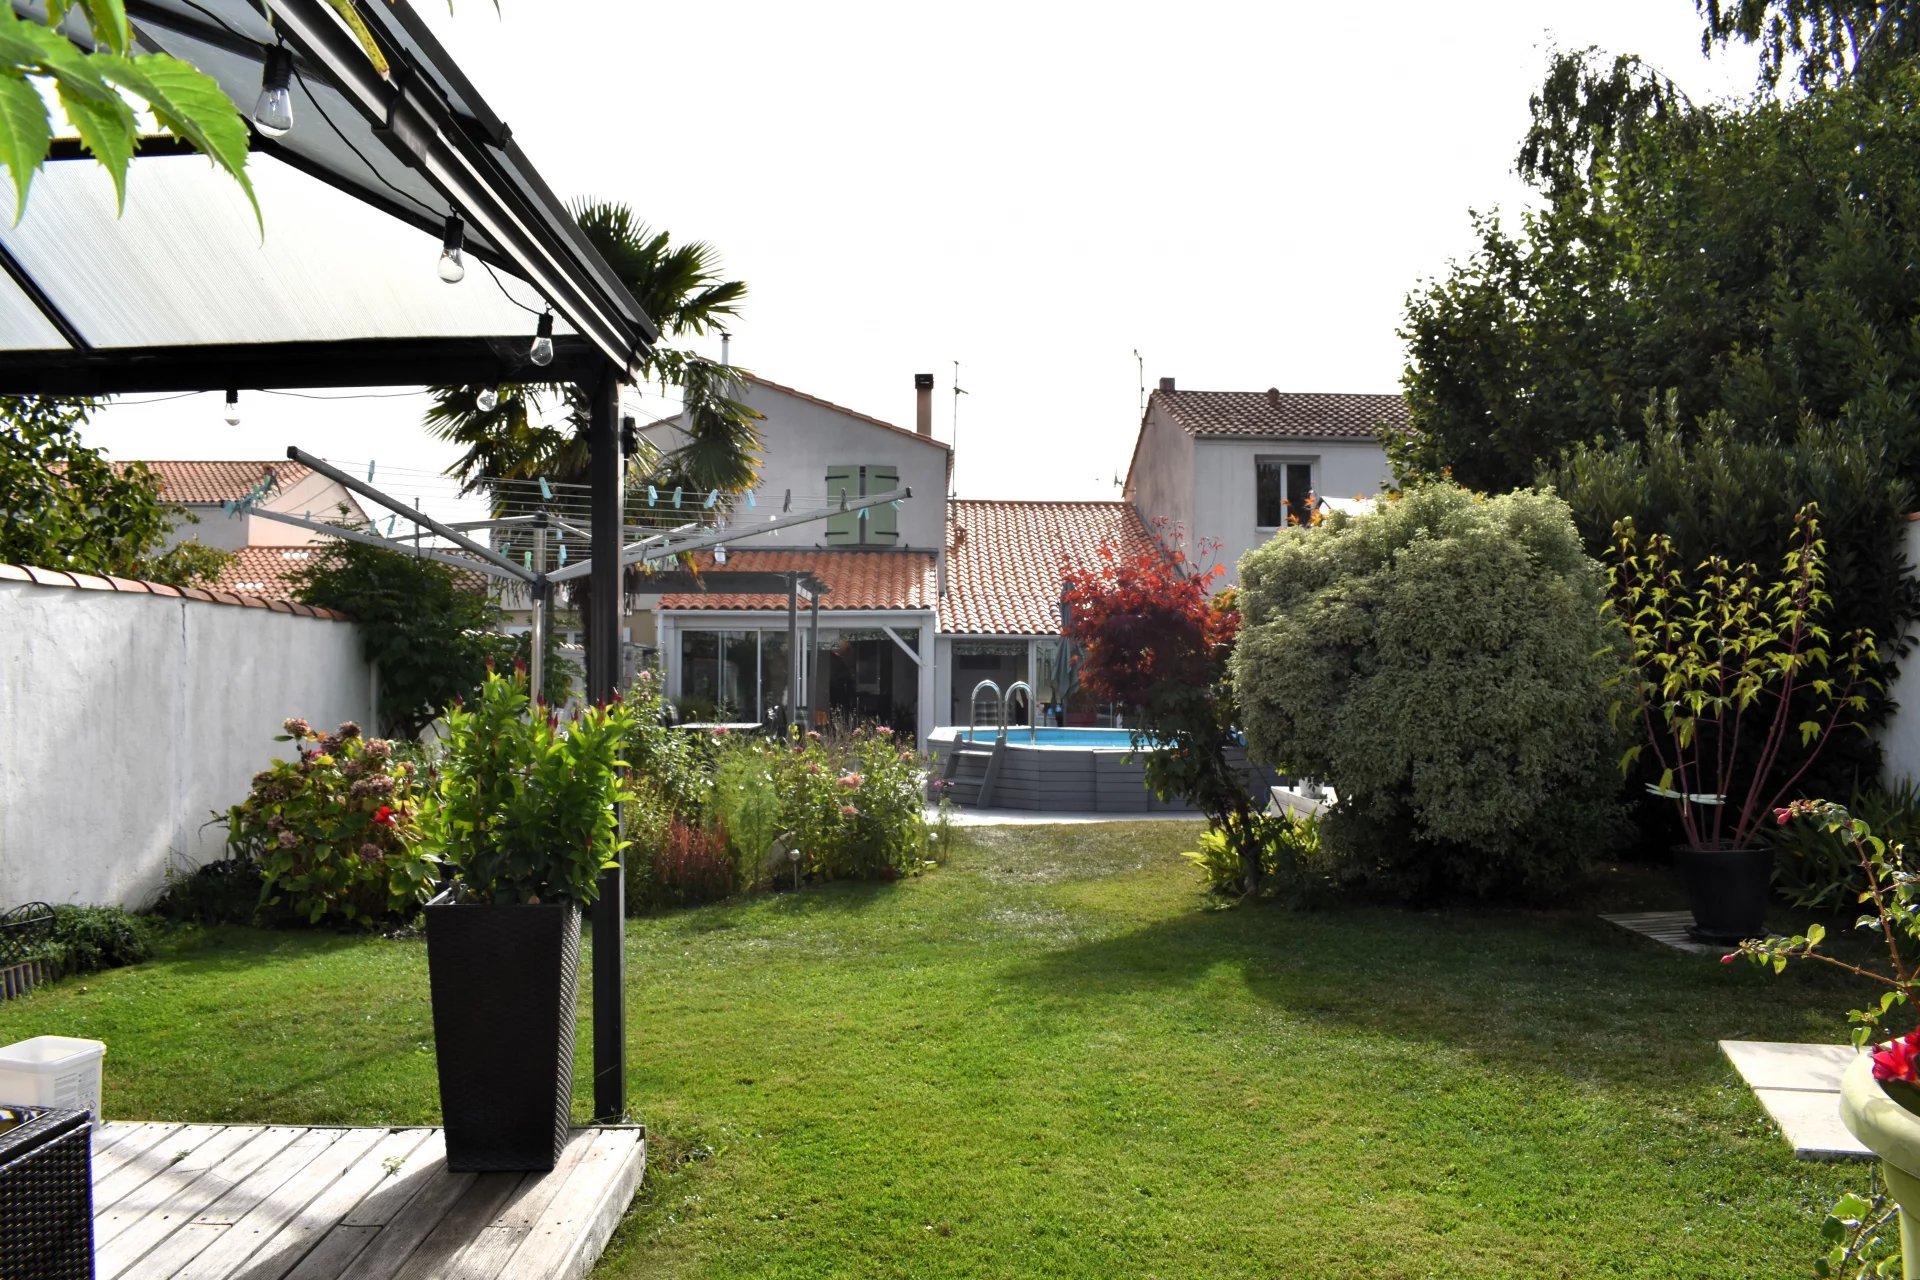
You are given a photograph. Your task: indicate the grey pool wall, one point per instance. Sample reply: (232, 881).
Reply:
(1067, 779)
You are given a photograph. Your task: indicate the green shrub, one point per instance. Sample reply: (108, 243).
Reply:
(675, 764)
(332, 831)
(1444, 664)
(855, 805)
(1818, 869)
(746, 803)
(224, 891)
(1293, 857)
(85, 939)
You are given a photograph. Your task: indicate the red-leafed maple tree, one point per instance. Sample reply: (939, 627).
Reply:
(1152, 634)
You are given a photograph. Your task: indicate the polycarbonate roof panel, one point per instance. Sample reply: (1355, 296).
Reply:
(328, 132)
(23, 327)
(185, 264)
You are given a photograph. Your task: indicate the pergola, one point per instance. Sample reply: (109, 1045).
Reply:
(180, 293)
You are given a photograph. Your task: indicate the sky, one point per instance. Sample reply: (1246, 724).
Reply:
(1242, 194)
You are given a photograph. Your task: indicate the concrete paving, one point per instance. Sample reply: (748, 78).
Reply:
(1799, 1085)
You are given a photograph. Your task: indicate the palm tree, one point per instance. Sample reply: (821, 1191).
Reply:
(680, 288)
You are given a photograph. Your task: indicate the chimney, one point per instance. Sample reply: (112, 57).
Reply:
(726, 349)
(1166, 384)
(923, 404)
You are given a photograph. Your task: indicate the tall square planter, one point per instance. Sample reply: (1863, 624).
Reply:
(504, 981)
(46, 1196)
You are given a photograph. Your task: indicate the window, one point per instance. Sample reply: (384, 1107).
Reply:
(733, 675)
(1282, 491)
(873, 526)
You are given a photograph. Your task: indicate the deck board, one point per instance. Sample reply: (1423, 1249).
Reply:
(250, 1202)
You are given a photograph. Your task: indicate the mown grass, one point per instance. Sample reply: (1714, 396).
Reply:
(1053, 1056)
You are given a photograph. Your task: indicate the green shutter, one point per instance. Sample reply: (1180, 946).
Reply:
(843, 480)
(883, 522)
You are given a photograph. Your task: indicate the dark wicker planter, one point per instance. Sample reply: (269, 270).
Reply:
(504, 982)
(1728, 890)
(46, 1197)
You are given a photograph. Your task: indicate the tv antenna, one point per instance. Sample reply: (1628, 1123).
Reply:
(958, 391)
(1143, 381)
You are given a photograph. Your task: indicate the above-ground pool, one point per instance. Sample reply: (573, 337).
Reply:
(1051, 770)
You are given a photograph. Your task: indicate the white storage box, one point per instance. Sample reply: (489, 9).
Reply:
(53, 1071)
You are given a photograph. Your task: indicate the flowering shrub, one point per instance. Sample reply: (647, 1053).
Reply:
(1858, 1234)
(331, 831)
(674, 764)
(853, 805)
(524, 808)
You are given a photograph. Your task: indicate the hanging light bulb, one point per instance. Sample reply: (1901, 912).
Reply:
(452, 269)
(233, 408)
(488, 399)
(273, 109)
(541, 352)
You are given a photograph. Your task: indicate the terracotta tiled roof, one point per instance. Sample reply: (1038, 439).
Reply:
(266, 571)
(1275, 413)
(131, 586)
(857, 579)
(1003, 560)
(210, 483)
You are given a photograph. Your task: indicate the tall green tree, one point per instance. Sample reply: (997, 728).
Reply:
(65, 506)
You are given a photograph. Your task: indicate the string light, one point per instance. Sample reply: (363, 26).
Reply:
(541, 352)
(487, 400)
(233, 408)
(273, 109)
(452, 269)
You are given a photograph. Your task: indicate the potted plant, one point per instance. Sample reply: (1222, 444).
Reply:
(1725, 670)
(522, 811)
(1880, 1089)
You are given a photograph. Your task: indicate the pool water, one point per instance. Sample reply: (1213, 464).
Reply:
(1085, 739)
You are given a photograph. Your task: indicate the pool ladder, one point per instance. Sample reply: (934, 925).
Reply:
(987, 759)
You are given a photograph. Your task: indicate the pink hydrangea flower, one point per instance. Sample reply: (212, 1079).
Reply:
(848, 811)
(851, 780)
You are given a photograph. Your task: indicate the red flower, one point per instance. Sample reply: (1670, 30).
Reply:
(1781, 815)
(1728, 958)
(1898, 1059)
(384, 815)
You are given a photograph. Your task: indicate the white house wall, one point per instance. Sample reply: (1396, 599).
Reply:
(801, 439)
(1900, 737)
(1161, 482)
(1223, 485)
(128, 720)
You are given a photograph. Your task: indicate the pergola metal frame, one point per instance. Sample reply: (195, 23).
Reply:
(426, 116)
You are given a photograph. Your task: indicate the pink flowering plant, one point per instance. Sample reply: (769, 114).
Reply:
(852, 804)
(332, 831)
(1891, 911)
(1858, 1235)
(523, 806)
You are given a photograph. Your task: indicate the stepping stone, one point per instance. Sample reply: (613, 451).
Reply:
(1669, 929)
(1799, 1086)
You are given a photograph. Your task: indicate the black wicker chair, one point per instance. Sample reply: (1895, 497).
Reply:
(46, 1194)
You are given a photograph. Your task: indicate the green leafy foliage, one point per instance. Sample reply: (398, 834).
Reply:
(1817, 869)
(669, 764)
(1727, 668)
(426, 625)
(92, 87)
(1293, 861)
(88, 939)
(223, 891)
(1750, 261)
(523, 810)
(746, 805)
(64, 506)
(1824, 42)
(853, 803)
(1716, 492)
(1443, 664)
(333, 832)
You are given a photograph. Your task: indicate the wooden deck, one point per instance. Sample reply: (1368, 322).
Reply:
(259, 1202)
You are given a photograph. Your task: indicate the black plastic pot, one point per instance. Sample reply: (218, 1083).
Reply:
(1728, 890)
(504, 981)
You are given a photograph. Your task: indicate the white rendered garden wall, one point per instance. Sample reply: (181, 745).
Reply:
(128, 718)
(1900, 739)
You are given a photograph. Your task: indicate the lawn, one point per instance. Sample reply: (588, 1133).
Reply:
(1053, 1056)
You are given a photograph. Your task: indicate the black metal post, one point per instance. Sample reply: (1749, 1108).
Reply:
(608, 488)
(793, 655)
(813, 653)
